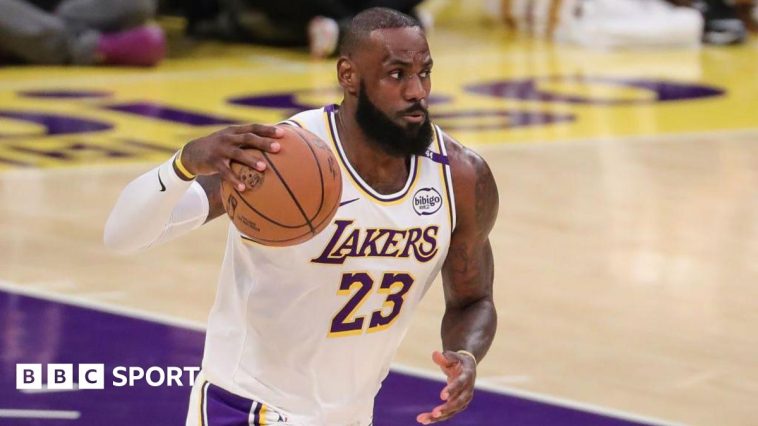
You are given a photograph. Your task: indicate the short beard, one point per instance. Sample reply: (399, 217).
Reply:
(393, 139)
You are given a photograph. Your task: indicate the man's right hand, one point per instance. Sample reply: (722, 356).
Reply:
(214, 153)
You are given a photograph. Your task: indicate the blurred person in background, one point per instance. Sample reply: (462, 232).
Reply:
(80, 32)
(616, 24)
(747, 11)
(313, 23)
(607, 24)
(726, 21)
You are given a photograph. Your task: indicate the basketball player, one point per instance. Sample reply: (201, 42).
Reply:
(304, 335)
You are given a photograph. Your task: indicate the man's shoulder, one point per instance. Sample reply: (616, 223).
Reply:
(476, 195)
(308, 117)
(462, 159)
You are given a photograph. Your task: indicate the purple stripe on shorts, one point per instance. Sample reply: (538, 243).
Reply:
(257, 414)
(226, 408)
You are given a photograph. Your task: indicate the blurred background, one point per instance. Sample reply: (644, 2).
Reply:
(623, 135)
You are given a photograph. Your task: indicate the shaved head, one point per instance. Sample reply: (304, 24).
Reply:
(376, 18)
(384, 68)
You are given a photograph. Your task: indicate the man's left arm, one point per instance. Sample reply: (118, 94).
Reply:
(470, 320)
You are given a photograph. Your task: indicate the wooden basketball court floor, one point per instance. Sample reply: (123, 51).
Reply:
(626, 246)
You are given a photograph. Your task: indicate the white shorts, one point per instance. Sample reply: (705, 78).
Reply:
(211, 405)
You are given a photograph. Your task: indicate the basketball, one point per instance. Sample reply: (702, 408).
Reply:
(293, 199)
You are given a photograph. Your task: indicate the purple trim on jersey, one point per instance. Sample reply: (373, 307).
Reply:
(331, 108)
(437, 157)
(35, 330)
(415, 163)
(448, 187)
(292, 123)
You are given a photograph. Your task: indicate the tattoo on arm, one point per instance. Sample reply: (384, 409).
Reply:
(459, 259)
(212, 186)
(470, 317)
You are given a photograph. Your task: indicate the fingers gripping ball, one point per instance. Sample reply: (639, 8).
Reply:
(293, 199)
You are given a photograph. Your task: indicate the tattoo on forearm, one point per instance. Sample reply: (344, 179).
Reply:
(212, 187)
(459, 259)
(471, 271)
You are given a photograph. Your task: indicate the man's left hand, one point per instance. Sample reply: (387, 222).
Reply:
(460, 370)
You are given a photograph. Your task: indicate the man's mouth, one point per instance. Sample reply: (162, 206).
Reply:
(415, 116)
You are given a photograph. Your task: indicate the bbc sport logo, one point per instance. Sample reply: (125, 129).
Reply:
(92, 376)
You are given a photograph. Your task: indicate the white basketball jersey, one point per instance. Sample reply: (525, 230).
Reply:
(311, 329)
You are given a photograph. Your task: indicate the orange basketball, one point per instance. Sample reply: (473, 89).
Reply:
(291, 201)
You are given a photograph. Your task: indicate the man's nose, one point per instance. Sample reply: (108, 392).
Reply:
(414, 89)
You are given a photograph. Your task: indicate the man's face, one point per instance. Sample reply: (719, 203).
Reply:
(394, 88)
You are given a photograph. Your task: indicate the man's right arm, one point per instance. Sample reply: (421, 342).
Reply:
(212, 187)
(184, 192)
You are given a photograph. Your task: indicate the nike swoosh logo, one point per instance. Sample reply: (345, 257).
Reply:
(163, 187)
(348, 201)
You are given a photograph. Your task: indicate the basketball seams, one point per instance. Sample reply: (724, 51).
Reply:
(264, 216)
(320, 172)
(263, 229)
(289, 191)
(264, 240)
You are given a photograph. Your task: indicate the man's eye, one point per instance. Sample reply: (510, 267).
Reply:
(425, 74)
(396, 75)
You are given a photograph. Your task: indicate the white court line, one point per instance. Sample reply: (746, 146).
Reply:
(538, 397)
(102, 306)
(39, 414)
(413, 371)
(510, 379)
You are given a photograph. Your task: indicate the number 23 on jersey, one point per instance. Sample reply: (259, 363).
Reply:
(358, 286)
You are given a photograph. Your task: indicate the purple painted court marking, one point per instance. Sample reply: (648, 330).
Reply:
(34, 330)
(64, 94)
(290, 100)
(505, 119)
(56, 124)
(12, 162)
(147, 145)
(37, 330)
(527, 89)
(70, 148)
(170, 114)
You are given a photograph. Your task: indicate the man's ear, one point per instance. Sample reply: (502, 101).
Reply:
(347, 75)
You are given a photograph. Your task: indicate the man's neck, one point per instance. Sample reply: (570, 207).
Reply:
(384, 172)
